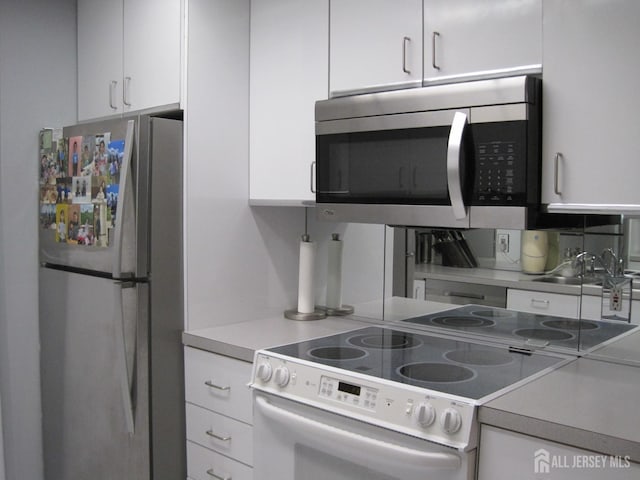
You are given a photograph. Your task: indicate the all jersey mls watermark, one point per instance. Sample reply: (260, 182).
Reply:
(545, 462)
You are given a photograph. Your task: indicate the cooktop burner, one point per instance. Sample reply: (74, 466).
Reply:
(463, 322)
(543, 334)
(436, 372)
(385, 341)
(337, 353)
(570, 324)
(442, 364)
(516, 328)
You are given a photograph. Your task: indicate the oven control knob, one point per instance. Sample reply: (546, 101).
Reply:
(425, 414)
(264, 372)
(451, 421)
(281, 376)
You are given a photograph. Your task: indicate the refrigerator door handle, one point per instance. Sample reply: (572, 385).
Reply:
(121, 355)
(123, 193)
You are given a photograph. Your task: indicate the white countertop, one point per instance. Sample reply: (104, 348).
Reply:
(588, 403)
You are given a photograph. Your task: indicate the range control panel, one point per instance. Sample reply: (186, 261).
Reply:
(418, 412)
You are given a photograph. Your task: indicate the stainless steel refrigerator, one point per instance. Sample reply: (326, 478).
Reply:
(111, 299)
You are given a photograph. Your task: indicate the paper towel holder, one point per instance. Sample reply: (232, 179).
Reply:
(295, 314)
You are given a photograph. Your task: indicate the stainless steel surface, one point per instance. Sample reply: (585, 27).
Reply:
(405, 41)
(126, 91)
(434, 64)
(499, 91)
(441, 215)
(454, 159)
(498, 113)
(318, 314)
(312, 182)
(105, 341)
(398, 121)
(84, 425)
(222, 438)
(126, 189)
(560, 280)
(556, 174)
(112, 94)
(534, 69)
(514, 218)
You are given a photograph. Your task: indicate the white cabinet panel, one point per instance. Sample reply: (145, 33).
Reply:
(375, 43)
(222, 434)
(544, 303)
(288, 73)
(591, 102)
(152, 47)
(506, 455)
(204, 464)
(468, 36)
(129, 55)
(218, 383)
(100, 76)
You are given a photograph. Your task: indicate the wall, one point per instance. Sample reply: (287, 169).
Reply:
(241, 261)
(37, 88)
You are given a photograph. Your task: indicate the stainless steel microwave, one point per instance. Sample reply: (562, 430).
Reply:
(461, 155)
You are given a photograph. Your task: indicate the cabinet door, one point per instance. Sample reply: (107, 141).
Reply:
(544, 303)
(471, 36)
(99, 58)
(591, 102)
(375, 44)
(289, 72)
(152, 47)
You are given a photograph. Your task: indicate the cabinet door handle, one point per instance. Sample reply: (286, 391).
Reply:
(434, 35)
(312, 184)
(211, 473)
(209, 383)
(537, 303)
(405, 42)
(112, 94)
(556, 174)
(218, 437)
(125, 91)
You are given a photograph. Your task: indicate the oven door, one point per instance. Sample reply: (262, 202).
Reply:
(400, 168)
(295, 441)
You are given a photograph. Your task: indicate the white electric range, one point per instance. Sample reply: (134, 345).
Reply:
(400, 401)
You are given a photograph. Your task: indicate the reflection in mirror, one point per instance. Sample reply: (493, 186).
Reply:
(582, 273)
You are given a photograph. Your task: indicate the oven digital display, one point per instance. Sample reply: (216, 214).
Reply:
(347, 388)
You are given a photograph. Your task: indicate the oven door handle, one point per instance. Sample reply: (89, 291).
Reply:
(376, 454)
(455, 151)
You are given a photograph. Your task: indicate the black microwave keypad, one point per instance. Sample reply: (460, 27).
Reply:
(496, 171)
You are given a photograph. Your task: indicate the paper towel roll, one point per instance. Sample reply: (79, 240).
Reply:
(334, 273)
(306, 301)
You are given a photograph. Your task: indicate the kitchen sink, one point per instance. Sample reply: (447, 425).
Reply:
(568, 280)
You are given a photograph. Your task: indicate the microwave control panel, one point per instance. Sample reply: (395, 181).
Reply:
(496, 171)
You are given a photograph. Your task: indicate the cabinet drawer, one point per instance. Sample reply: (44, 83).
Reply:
(544, 303)
(222, 434)
(218, 383)
(203, 464)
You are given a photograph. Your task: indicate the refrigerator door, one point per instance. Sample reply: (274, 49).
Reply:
(87, 199)
(93, 358)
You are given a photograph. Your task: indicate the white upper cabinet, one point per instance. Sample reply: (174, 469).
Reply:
(591, 146)
(471, 36)
(129, 54)
(375, 43)
(288, 73)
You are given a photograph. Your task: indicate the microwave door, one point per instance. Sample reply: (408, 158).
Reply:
(455, 165)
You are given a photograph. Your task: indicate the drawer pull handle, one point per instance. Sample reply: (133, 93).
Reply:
(212, 474)
(535, 302)
(218, 437)
(209, 383)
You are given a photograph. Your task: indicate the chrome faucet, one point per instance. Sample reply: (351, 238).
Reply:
(608, 260)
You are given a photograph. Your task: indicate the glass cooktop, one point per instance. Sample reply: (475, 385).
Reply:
(458, 367)
(524, 328)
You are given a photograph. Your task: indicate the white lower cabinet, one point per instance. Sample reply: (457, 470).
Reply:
(544, 303)
(203, 464)
(592, 309)
(505, 455)
(219, 416)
